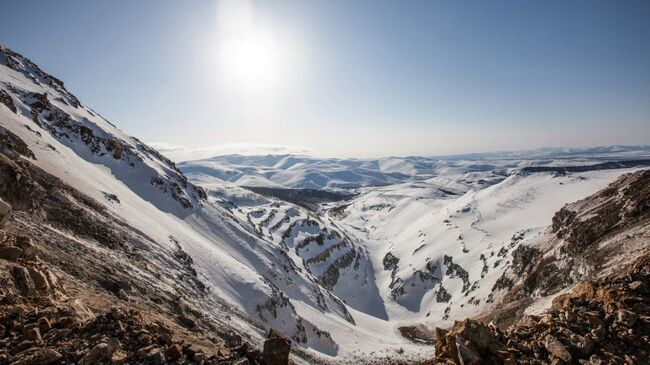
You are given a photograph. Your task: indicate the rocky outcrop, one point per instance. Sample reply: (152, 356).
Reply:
(276, 349)
(601, 322)
(588, 239)
(623, 204)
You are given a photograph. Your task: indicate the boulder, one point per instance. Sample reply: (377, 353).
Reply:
(476, 333)
(44, 325)
(119, 358)
(10, 253)
(29, 249)
(100, 352)
(33, 334)
(276, 349)
(557, 349)
(40, 282)
(23, 280)
(173, 352)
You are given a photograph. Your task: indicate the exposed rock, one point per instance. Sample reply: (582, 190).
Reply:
(29, 249)
(598, 322)
(100, 352)
(626, 317)
(556, 349)
(475, 332)
(23, 280)
(44, 325)
(10, 253)
(390, 262)
(173, 352)
(276, 349)
(32, 334)
(40, 282)
(5, 99)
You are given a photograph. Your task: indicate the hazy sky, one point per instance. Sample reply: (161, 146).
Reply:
(350, 78)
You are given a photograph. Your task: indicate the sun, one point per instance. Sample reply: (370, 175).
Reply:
(251, 61)
(252, 55)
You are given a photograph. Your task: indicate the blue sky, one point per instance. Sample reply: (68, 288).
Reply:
(350, 78)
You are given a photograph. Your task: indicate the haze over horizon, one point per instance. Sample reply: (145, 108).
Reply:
(362, 79)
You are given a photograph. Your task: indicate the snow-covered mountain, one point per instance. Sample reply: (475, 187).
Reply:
(302, 172)
(421, 242)
(254, 279)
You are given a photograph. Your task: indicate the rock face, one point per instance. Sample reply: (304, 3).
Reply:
(601, 322)
(588, 239)
(276, 349)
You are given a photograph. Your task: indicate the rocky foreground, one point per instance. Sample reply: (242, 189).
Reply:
(42, 322)
(603, 322)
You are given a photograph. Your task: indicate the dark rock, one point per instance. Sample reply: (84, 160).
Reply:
(23, 280)
(10, 253)
(44, 325)
(276, 349)
(173, 352)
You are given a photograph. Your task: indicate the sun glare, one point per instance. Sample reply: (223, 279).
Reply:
(252, 54)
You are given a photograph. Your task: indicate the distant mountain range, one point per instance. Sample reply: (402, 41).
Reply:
(303, 172)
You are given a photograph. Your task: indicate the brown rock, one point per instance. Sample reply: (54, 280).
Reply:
(65, 322)
(276, 349)
(594, 319)
(119, 358)
(44, 325)
(173, 352)
(557, 349)
(599, 334)
(99, 352)
(40, 282)
(33, 334)
(23, 280)
(57, 334)
(475, 332)
(144, 350)
(10, 253)
(584, 344)
(25, 243)
(156, 357)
